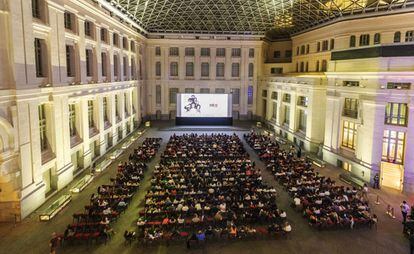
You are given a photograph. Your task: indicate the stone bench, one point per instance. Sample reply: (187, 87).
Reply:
(55, 207)
(82, 183)
(316, 161)
(101, 166)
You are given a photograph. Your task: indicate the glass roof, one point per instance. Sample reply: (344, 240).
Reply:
(282, 17)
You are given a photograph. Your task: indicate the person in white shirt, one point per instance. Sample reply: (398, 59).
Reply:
(405, 208)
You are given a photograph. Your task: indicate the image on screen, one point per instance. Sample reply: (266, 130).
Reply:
(203, 105)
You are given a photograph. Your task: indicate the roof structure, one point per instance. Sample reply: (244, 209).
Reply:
(255, 17)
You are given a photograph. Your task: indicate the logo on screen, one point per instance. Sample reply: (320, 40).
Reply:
(192, 104)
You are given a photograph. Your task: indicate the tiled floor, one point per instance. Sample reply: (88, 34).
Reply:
(31, 236)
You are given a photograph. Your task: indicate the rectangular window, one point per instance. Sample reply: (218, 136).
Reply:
(126, 104)
(288, 53)
(251, 53)
(273, 96)
(324, 45)
(205, 52)
(332, 45)
(286, 117)
(91, 122)
(158, 69)
(105, 109)
(264, 93)
(125, 43)
(158, 51)
(189, 69)
(286, 97)
(395, 85)
(303, 101)
(251, 70)
(235, 52)
(235, 95)
(393, 146)
(189, 51)
(68, 20)
(235, 70)
(276, 54)
(220, 70)
(364, 40)
(173, 95)
(189, 90)
(89, 62)
(133, 69)
(205, 70)
(204, 90)
(351, 108)
(276, 70)
(350, 83)
(302, 120)
(173, 69)
(42, 127)
(132, 46)
(220, 90)
(104, 62)
(174, 51)
(36, 9)
(40, 53)
(116, 65)
(250, 95)
(115, 39)
(125, 66)
(104, 35)
(72, 120)
(409, 36)
(116, 102)
(70, 61)
(89, 29)
(158, 94)
(349, 132)
(396, 114)
(221, 52)
(274, 110)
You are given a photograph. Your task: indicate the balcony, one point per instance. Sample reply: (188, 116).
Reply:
(75, 140)
(352, 113)
(372, 52)
(93, 131)
(279, 60)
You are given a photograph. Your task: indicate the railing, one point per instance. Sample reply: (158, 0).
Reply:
(350, 113)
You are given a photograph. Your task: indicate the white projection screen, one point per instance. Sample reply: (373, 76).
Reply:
(204, 105)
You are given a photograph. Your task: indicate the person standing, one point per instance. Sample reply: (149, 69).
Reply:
(376, 181)
(404, 210)
(299, 152)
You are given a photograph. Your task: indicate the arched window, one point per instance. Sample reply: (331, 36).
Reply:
(377, 38)
(302, 69)
(251, 70)
(352, 41)
(397, 37)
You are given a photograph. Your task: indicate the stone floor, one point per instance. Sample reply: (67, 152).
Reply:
(31, 236)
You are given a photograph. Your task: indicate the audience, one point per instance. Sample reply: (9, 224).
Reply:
(325, 204)
(112, 199)
(207, 183)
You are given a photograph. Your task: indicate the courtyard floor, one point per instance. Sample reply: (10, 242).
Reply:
(32, 236)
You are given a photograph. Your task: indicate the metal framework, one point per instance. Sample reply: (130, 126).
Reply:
(254, 17)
